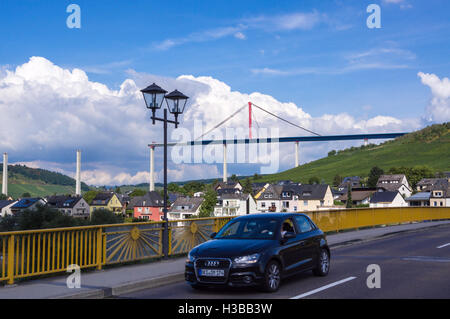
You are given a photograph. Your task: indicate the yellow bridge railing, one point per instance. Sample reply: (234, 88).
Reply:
(38, 252)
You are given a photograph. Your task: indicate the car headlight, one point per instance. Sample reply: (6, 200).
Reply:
(190, 258)
(250, 259)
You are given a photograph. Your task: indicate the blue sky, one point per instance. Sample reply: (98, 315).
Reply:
(319, 55)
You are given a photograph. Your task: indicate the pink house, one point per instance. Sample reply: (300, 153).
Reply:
(148, 207)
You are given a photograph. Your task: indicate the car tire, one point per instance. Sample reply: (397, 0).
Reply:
(272, 276)
(323, 263)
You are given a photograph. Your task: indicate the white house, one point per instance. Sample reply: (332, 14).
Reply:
(185, 207)
(5, 207)
(387, 199)
(235, 205)
(74, 206)
(269, 199)
(392, 183)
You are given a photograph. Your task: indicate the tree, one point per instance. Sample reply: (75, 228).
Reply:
(256, 176)
(209, 203)
(247, 187)
(349, 197)
(234, 178)
(105, 216)
(173, 188)
(440, 174)
(3, 197)
(337, 180)
(43, 217)
(117, 190)
(332, 153)
(314, 180)
(137, 192)
(26, 195)
(374, 175)
(89, 196)
(413, 174)
(192, 187)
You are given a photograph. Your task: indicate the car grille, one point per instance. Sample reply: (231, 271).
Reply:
(212, 263)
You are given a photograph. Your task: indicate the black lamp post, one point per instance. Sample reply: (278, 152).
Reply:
(176, 102)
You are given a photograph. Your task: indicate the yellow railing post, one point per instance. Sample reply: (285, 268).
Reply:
(170, 240)
(99, 248)
(11, 260)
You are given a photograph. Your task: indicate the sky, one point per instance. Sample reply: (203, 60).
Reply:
(316, 63)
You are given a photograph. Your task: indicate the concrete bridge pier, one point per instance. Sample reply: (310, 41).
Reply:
(225, 173)
(78, 175)
(297, 146)
(152, 168)
(5, 174)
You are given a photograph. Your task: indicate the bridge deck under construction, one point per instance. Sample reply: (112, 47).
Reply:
(322, 138)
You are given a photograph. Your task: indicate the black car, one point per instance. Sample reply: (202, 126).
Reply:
(259, 250)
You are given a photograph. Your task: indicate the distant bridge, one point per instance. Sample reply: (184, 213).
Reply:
(251, 118)
(321, 138)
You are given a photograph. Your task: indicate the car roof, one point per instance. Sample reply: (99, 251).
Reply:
(269, 215)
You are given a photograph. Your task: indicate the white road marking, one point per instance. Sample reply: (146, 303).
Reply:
(323, 288)
(425, 258)
(442, 246)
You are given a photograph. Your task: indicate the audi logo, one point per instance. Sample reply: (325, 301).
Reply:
(211, 263)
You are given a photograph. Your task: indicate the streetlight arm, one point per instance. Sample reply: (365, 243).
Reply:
(154, 118)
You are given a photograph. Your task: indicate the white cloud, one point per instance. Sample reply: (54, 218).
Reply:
(287, 22)
(403, 4)
(382, 58)
(203, 36)
(47, 112)
(283, 22)
(438, 109)
(240, 36)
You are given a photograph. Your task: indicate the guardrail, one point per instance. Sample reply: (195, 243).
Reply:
(38, 252)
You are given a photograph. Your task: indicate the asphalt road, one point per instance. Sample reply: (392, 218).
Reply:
(412, 265)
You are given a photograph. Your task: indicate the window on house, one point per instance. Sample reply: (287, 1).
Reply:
(305, 203)
(263, 204)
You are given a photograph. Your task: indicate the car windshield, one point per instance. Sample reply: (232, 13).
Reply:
(257, 228)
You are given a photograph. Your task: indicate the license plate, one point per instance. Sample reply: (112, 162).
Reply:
(211, 272)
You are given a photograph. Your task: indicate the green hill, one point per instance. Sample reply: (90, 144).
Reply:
(428, 147)
(38, 182)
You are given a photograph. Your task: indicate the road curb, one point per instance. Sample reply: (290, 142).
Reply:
(147, 284)
(129, 287)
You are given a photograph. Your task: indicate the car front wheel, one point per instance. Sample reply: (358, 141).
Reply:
(323, 264)
(272, 276)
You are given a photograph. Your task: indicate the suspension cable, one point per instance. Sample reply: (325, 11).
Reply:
(280, 118)
(216, 126)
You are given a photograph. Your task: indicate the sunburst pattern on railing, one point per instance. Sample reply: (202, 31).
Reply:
(133, 243)
(188, 234)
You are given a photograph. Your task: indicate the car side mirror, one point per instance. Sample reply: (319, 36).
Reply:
(213, 235)
(287, 236)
